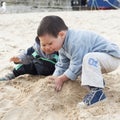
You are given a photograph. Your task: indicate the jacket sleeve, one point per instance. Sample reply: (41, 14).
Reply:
(70, 67)
(62, 64)
(26, 55)
(75, 68)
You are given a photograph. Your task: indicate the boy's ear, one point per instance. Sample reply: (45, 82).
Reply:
(61, 33)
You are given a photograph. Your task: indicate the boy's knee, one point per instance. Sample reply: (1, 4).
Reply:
(90, 59)
(88, 56)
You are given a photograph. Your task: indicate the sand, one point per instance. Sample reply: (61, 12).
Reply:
(33, 97)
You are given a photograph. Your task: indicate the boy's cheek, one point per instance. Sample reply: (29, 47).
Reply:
(43, 49)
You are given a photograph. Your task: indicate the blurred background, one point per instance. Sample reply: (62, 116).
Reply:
(17, 6)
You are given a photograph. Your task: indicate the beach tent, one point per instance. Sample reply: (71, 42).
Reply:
(103, 4)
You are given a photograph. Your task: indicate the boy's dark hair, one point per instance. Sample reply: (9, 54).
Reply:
(51, 25)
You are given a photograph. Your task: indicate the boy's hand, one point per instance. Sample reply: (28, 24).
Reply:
(59, 81)
(15, 59)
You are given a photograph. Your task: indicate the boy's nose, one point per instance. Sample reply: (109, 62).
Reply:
(47, 48)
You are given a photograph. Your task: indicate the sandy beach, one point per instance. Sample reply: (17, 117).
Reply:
(33, 97)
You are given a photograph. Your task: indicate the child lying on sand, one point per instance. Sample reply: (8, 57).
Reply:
(33, 61)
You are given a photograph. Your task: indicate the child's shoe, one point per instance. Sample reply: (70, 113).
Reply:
(8, 76)
(95, 95)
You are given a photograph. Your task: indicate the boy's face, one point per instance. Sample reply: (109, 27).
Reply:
(50, 44)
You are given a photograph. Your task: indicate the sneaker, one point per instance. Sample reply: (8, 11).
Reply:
(9, 76)
(94, 96)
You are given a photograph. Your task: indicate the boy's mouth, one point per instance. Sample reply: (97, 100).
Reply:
(49, 52)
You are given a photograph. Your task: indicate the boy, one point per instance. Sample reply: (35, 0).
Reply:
(80, 53)
(33, 61)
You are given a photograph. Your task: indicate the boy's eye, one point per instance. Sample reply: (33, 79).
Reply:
(50, 43)
(43, 45)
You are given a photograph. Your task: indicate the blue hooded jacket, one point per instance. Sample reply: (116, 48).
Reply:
(76, 45)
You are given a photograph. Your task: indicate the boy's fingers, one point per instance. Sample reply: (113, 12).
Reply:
(15, 59)
(51, 78)
(49, 81)
(58, 88)
(12, 59)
